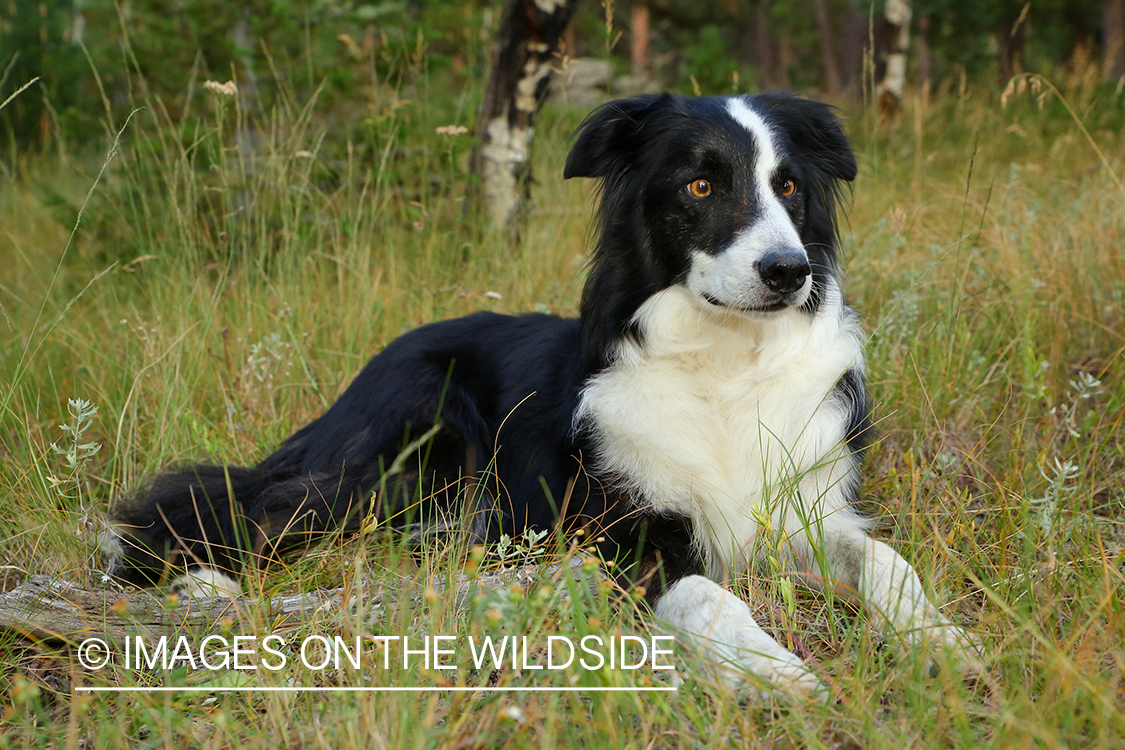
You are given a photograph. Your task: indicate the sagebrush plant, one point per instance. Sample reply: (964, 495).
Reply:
(74, 453)
(231, 274)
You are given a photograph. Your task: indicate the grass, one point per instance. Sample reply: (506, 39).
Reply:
(209, 303)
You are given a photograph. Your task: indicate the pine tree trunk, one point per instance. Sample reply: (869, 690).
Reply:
(1113, 18)
(638, 31)
(924, 60)
(526, 46)
(857, 47)
(832, 81)
(758, 48)
(786, 59)
(1009, 49)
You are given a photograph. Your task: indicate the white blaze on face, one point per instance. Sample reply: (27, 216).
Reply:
(731, 276)
(763, 137)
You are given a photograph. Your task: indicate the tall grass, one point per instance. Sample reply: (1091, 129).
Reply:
(217, 296)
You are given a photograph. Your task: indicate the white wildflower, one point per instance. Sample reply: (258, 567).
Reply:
(223, 89)
(451, 130)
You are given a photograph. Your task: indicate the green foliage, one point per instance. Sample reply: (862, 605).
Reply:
(157, 53)
(963, 35)
(707, 63)
(73, 451)
(35, 40)
(98, 60)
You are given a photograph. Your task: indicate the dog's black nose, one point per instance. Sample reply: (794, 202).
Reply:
(784, 271)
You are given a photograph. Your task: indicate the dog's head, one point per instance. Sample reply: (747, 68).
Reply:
(732, 197)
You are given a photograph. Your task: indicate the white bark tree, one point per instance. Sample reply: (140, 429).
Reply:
(896, 18)
(527, 44)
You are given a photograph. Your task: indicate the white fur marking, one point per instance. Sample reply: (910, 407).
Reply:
(109, 543)
(722, 623)
(731, 421)
(767, 149)
(206, 583)
(732, 276)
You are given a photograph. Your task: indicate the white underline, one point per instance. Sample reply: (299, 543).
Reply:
(322, 689)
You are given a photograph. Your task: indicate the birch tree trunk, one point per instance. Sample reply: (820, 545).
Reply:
(526, 45)
(896, 18)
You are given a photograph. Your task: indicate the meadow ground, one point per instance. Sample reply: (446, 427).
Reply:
(203, 303)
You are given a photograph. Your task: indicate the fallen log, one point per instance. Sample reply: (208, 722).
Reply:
(42, 607)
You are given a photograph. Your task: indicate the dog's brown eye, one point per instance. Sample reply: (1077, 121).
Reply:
(788, 188)
(700, 188)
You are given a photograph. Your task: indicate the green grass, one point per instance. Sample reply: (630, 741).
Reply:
(210, 303)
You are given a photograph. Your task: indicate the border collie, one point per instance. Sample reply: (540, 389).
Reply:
(706, 409)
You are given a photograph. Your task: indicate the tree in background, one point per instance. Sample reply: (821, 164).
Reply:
(639, 42)
(1010, 26)
(1113, 39)
(527, 44)
(43, 44)
(892, 84)
(832, 80)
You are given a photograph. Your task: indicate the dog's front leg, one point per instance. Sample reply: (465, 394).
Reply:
(722, 624)
(856, 565)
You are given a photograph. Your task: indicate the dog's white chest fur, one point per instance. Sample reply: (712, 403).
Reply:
(730, 421)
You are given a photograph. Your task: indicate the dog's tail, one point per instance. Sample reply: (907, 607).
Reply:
(208, 523)
(199, 527)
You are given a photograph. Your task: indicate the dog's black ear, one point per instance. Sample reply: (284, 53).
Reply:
(815, 131)
(613, 135)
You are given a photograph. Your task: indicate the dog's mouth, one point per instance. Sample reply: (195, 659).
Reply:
(778, 305)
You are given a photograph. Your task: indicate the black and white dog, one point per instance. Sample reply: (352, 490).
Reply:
(706, 409)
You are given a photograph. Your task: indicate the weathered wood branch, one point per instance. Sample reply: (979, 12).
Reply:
(47, 608)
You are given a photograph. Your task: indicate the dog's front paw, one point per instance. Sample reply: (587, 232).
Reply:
(798, 681)
(766, 678)
(965, 650)
(757, 669)
(948, 644)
